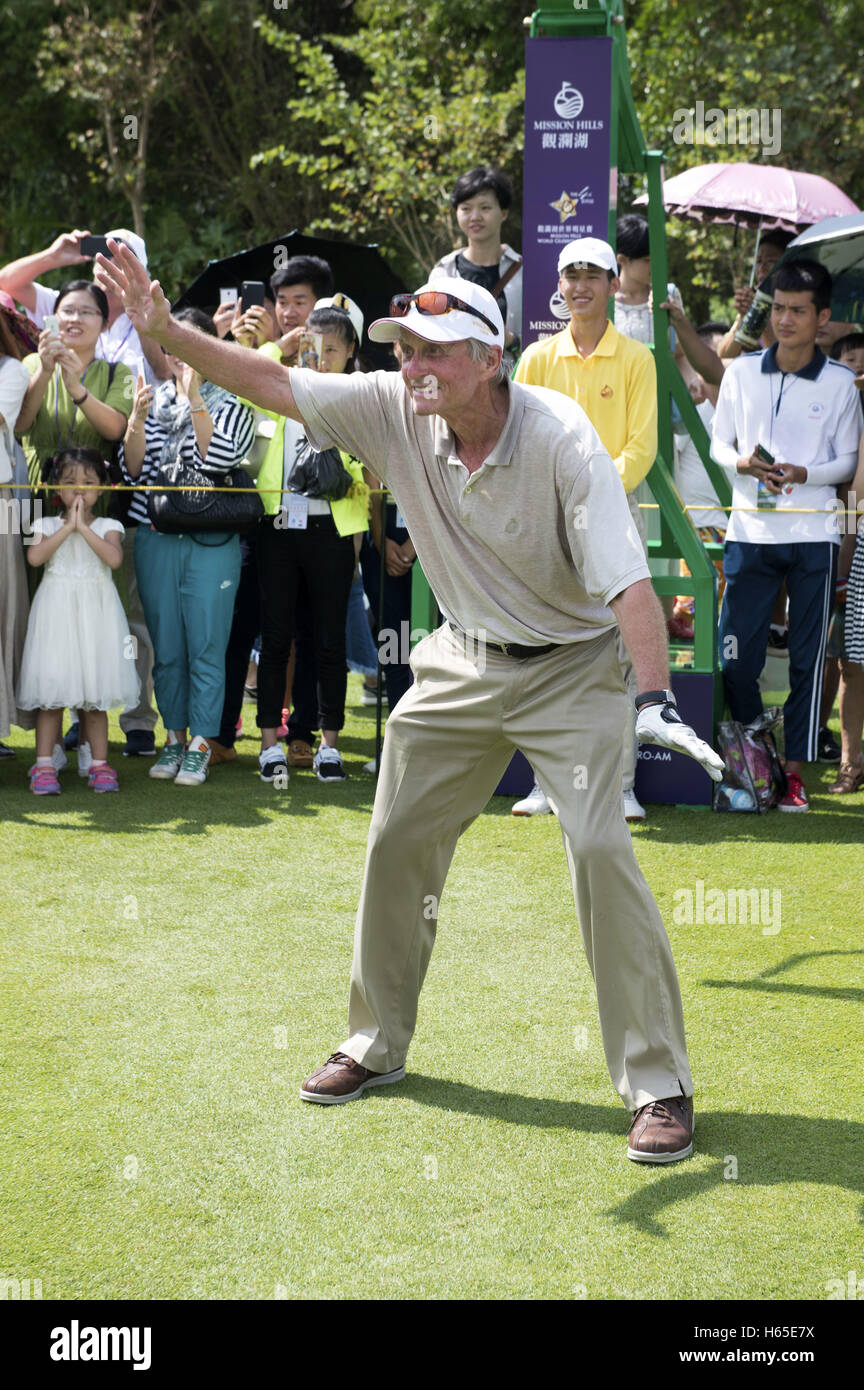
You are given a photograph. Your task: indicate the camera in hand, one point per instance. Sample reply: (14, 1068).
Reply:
(94, 245)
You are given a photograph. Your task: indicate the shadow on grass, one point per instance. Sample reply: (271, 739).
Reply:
(233, 795)
(766, 1148)
(765, 984)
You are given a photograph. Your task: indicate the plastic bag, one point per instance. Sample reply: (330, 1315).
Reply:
(753, 779)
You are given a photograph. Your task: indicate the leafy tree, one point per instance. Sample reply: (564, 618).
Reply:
(391, 115)
(116, 67)
(807, 66)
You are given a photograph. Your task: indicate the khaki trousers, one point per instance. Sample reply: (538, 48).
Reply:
(448, 742)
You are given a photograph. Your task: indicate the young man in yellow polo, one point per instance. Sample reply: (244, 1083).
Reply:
(614, 380)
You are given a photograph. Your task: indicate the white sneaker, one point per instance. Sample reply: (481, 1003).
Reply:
(169, 763)
(371, 766)
(58, 757)
(85, 759)
(328, 765)
(534, 804)
(632, 809)
(196, 759)
(273, 767)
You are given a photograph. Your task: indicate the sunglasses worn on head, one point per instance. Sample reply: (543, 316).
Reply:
(434, 302)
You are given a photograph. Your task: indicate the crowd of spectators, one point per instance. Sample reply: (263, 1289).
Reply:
(280, 614)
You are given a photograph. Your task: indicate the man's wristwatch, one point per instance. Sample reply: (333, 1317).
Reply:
(655, 697)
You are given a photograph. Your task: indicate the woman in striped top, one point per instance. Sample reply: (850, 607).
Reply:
(850, 777)
(187, 586)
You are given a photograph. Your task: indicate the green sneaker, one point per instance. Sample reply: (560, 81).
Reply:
(195, 764)
(169, 762)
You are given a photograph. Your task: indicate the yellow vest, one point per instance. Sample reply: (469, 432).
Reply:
(350, 514)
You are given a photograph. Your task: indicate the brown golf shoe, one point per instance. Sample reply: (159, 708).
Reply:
(300, 753)
(662, 1131)
(342, 1079)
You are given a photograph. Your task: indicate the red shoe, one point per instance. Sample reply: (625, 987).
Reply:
(796, 797)
(282, 731)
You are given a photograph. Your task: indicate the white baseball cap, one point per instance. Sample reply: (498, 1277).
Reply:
(588, 250)
(354, 312)
(132, 240)
(453, 326)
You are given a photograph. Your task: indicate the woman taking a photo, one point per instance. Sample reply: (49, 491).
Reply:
(187, 585)
(74, 398)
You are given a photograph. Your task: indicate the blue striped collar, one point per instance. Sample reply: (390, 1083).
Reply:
(811, 371)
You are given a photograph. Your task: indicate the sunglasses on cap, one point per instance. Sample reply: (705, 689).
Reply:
(435, 302)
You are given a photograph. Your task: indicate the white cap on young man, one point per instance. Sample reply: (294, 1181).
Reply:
(588, 250)
(132, 240)
(354, 312)
(454, 326)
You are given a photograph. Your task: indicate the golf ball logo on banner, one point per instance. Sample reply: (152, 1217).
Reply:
(567, 176)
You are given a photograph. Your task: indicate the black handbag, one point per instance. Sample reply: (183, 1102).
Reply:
(202, 506)
(319, 475)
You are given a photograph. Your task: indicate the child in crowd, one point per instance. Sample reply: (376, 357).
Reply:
(850, 351)
(77, 651)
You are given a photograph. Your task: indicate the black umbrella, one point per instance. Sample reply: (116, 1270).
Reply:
(359, 271)
(838, 244)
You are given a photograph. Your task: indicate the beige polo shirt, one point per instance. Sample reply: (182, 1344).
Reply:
(532, 546)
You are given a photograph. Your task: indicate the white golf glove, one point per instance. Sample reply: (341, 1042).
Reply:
(662, 724)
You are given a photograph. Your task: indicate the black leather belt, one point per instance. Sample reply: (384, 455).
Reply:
(512, 649)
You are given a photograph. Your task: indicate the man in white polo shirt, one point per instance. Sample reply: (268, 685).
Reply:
(788, 424)
(523, 529)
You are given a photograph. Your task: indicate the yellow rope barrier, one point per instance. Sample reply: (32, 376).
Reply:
(383, 492)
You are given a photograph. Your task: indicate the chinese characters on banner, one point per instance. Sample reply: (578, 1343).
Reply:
(568, 98)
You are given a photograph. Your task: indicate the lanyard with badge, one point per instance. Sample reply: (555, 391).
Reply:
(294, 504)
(113, 356)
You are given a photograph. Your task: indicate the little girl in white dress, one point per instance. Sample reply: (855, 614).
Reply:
(78, 653)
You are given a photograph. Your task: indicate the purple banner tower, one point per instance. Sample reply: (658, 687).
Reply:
(569, 186)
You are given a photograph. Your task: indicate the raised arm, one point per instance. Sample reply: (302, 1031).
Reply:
(249, 375)
(17, 278)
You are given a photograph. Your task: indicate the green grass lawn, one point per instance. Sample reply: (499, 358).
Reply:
(176, 962)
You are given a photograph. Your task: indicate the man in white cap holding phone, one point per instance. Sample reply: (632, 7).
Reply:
(522, 527)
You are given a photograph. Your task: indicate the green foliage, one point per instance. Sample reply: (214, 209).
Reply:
(387, 145)
(807, 66)
(116, 68)
(356, 119)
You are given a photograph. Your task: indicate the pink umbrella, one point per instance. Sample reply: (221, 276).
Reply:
(753, 195)
(763, 196)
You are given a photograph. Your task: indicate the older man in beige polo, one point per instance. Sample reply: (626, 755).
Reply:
(522, 526)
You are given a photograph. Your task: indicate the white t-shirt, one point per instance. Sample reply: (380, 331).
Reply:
(14, 380)
(691, 479)
(530, 547)
(637, 320)
(811, 418)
